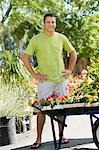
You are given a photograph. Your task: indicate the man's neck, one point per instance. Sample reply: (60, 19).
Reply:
(49, 33)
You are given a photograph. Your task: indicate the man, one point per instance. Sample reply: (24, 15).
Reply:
(48, 46)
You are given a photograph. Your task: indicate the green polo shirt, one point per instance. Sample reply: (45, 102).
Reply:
(48, 50)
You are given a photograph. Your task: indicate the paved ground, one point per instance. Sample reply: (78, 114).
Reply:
(78, 132)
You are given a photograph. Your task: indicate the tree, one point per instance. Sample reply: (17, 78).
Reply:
(80, 24)
(77, 19)
(17, 17)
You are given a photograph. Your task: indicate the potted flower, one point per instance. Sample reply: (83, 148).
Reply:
(15, 89)
(52, 102)
(85, 87)
(13, 104)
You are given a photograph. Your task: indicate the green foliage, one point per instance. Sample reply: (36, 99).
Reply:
(13, 101)
(12, 68)
(80, 25)
(77, 19)
(94, 69)
(93, 72)
(15, 91)
(89, 87)
(45, 103)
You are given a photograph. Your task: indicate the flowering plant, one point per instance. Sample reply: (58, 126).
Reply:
(51, 101)
(85, 87)
(13, 100)
(82, 88)
(56, 100)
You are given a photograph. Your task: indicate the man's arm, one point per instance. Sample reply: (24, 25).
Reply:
(72, 62)
(26, 61)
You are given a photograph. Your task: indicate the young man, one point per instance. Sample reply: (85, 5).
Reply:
(48, 46)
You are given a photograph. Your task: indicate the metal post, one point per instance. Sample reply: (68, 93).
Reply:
(91, 120)
(63, 124)
(53, 130)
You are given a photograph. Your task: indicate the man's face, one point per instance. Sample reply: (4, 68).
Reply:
(50, 24)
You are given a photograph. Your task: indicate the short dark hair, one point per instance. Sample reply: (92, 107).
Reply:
(48, 15)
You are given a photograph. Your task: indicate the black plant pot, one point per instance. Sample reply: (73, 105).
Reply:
(23, 124)
(7, 131)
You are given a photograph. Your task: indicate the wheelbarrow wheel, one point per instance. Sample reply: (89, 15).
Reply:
(96, 132)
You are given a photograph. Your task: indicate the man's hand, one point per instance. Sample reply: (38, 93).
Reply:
(40, 77)
(66, 73)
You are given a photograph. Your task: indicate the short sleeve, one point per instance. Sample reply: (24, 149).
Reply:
(67, 45)
(31, 48)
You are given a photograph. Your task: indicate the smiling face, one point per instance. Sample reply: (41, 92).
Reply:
(49, 24)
